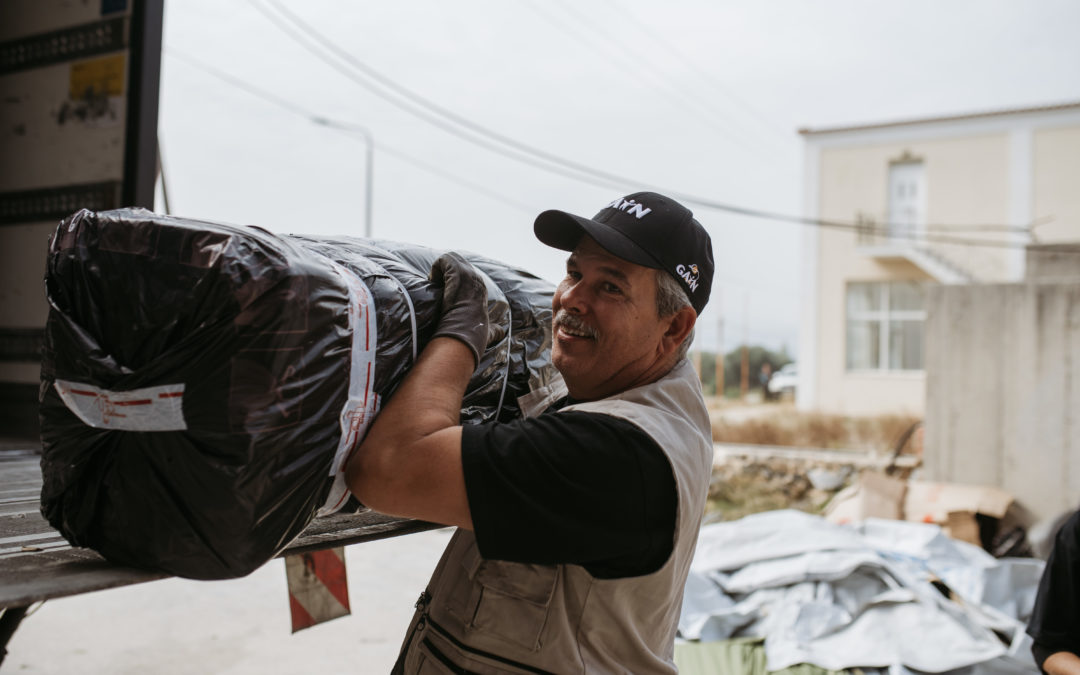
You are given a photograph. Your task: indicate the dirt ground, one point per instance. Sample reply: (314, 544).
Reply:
(744, 485)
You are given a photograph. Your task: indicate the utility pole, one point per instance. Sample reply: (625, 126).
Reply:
(369, 177)
(164, 183)
(744, 380)
(369, 165)
(720, 343)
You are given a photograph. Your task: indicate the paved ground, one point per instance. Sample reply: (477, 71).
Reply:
(237, 627)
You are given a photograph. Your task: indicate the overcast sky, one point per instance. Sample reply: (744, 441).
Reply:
(700, 97)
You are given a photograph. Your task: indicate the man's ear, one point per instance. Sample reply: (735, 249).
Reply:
(678, 327)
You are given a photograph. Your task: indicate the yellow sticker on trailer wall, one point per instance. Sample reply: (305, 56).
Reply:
(97, 77)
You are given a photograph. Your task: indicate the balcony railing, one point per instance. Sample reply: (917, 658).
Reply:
(907, 241)
(870, 233)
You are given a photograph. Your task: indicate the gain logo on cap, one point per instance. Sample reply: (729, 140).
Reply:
(689, 274)
(630, 206)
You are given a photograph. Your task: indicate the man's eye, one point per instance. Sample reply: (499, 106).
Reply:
(611, 288)
(571, 274)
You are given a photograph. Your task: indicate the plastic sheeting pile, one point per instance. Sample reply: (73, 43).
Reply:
(202, 384)
(862, 596)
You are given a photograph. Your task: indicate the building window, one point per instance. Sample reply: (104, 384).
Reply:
(885, 326)
(907, 200)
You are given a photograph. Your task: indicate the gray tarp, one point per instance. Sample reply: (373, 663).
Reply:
(840, 596)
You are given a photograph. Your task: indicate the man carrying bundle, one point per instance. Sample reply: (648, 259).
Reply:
(577, 523)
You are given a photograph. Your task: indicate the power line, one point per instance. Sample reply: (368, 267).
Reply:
(648, 65)
(341, 126)
(348, 127)
(658, 37)
(489, 139)
(634, 66)
(753, 286)
(415, 104)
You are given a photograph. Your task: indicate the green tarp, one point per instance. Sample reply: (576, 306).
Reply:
(738, 656)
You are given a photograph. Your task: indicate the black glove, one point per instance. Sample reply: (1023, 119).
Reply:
(464, 302)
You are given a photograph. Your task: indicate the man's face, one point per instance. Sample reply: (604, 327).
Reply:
(607, 333)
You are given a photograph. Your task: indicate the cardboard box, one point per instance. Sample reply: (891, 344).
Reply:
(950, 505)
(873, 495)
(953, 506)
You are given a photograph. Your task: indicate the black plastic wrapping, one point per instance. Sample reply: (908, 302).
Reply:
(253, 328)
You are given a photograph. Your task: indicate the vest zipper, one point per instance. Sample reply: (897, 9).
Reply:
(423, 601)
(421, 606)
(474, 651)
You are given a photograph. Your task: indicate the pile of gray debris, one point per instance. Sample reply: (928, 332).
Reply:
(877, 595)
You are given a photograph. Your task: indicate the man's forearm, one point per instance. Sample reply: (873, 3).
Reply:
(429, 399)
(409, 464)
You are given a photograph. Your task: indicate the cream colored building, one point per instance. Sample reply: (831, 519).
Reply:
(935, 201)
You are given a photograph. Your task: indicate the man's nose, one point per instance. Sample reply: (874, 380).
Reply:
(573, 298)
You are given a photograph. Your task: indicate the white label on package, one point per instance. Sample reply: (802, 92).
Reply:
(150, 409)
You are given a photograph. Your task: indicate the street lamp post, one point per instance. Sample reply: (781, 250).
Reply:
(369, 165)
(369, 175)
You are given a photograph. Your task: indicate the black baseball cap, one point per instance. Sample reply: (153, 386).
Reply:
(643, 228)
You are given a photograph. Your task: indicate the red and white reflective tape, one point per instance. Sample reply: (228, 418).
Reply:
(363, 402)
(150, 409)
(318, 587)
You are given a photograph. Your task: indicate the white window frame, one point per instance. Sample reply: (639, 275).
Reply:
(882, 317)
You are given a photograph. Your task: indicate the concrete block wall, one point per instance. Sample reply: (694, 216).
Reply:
(1003, 390)
(1052, 261)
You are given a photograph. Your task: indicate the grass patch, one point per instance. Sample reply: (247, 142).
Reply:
(789, 427)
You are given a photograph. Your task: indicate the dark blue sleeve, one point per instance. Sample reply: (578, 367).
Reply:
(570, 487)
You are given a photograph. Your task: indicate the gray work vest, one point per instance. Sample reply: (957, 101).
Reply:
(493, 616)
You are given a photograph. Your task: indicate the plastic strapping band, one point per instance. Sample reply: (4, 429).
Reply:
(362, 404)
(509, 346)
(412, 314)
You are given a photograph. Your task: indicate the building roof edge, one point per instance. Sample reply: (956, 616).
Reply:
(1069, 105)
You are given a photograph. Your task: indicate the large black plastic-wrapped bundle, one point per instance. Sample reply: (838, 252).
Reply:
(202, 382)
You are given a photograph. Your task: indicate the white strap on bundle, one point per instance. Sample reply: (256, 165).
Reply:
(363, 403)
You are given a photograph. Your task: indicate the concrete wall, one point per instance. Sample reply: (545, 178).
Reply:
(1056, 183)
(1053, 261)
(1003, 390)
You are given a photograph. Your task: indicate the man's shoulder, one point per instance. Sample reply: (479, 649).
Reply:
(678, 393)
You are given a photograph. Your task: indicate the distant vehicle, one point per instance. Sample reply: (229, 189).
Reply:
(783, 381)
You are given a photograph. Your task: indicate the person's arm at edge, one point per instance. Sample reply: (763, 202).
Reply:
(1062, 663)
(409, 464)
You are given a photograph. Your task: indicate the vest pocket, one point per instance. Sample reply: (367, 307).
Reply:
(434, 662)
(505, 600)
(514, 600)
(442, 653)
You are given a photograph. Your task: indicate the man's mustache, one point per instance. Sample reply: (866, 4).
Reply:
(573, 323)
